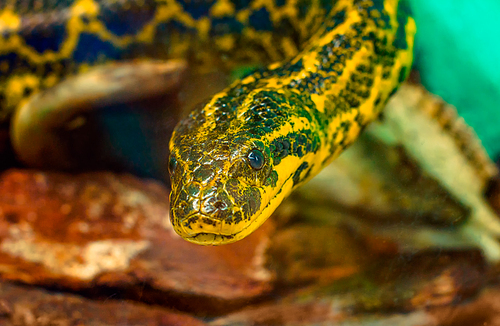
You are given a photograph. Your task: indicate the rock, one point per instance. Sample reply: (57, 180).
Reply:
(398, 290)
(25, 306)
(95, 231)
(321, 313)
(321, 254)
(423, 280)
(484, 310)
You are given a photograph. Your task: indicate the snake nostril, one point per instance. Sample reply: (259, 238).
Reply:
(211, 206)
(220, 204)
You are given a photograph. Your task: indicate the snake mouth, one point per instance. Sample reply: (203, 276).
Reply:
(205, 230)
(210, 239)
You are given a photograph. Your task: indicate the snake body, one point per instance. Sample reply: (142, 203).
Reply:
(234, 159)
(44, 41)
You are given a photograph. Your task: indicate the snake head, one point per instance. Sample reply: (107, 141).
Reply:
(233, 161)
(217, 188)
(221, 175)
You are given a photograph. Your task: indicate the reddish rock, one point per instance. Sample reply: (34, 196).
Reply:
(101, 230)
(22, 306)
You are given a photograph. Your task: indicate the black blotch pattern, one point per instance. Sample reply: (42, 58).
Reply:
(43, 37)
(296, 176)
(241, 4)
(121, 20)
(295, 144)
(402, 74)
(280, 3)
(404, 11)
(260, 20)
(91, 49)
(196, 8)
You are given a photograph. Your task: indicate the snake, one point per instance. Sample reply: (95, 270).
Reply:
(330, 66)
(235, 158)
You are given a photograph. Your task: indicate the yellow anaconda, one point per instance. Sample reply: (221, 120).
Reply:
(236, 158)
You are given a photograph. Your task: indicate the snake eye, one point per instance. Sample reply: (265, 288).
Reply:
(256, 159)
(172, 164)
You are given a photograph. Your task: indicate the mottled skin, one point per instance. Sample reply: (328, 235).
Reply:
(299, 114)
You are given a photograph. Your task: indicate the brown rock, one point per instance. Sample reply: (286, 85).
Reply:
(321, 312)
(283, 314)
(397, 290)
(321, 254)
(422, 280)
(21, 306)
(99, 230)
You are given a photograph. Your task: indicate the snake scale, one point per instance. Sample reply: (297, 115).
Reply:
(333, 66)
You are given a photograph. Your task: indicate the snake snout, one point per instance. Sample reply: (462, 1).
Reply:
(205, 218)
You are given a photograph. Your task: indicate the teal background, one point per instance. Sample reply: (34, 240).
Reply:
(458, 56)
